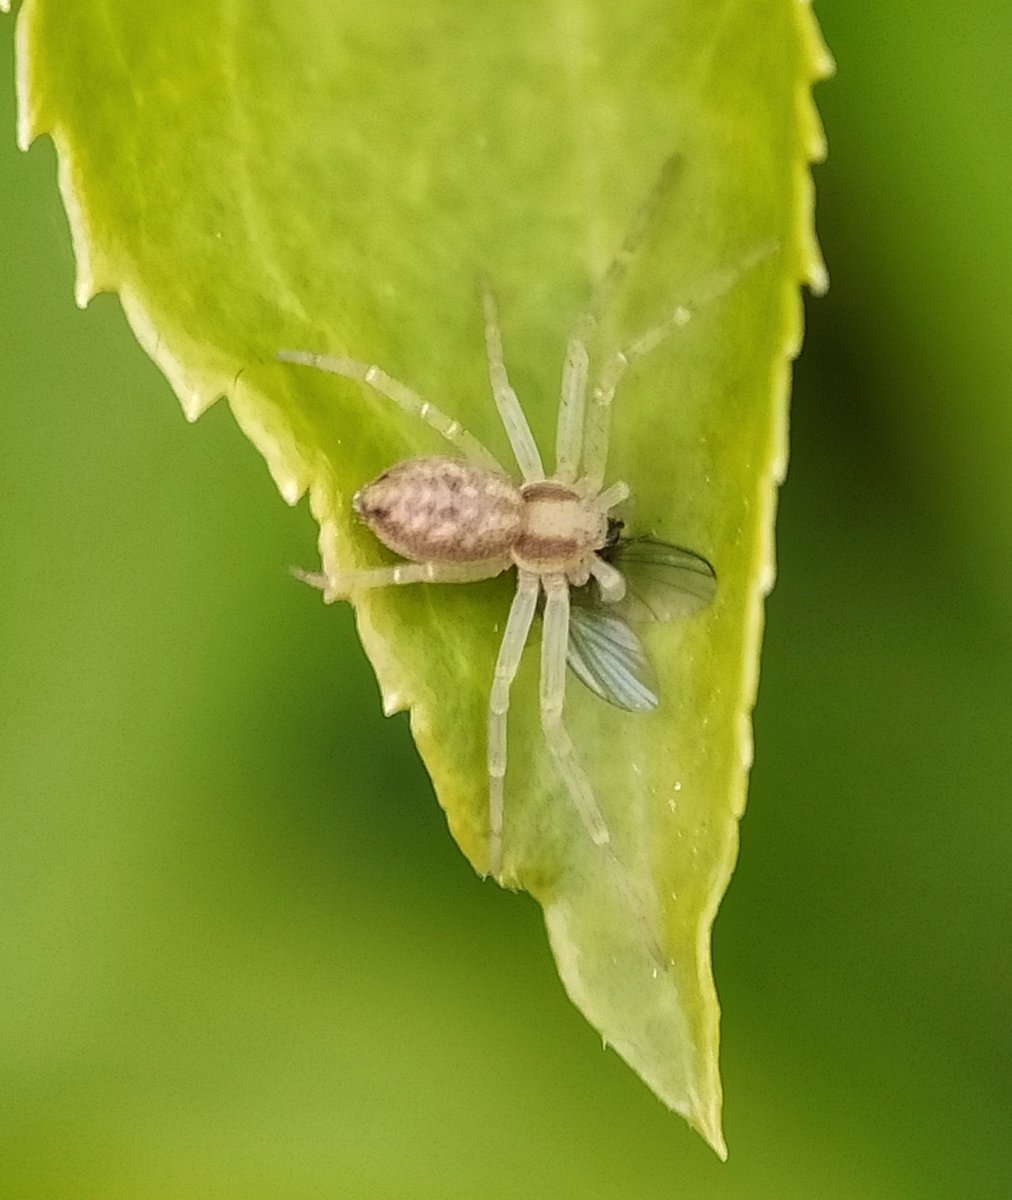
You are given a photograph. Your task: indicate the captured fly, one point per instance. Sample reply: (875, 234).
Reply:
(663, 582)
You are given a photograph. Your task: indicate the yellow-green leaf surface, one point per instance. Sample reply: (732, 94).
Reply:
(336, 177)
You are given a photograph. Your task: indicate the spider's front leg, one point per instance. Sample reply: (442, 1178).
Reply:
(598, 418)
(596, 433)
(554, 643)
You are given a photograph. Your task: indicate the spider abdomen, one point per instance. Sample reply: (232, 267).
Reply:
(442, 509)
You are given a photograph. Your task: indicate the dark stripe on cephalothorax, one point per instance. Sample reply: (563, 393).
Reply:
(548, 489)
(532, 547)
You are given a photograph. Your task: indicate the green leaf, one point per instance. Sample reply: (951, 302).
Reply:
(252, 176)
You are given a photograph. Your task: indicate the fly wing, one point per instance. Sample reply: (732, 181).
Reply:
(607, 656)
(662, 581)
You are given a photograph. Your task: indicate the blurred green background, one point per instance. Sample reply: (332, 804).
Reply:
(241, 956)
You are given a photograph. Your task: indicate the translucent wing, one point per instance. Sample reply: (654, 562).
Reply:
(662, 582)
(607, 656)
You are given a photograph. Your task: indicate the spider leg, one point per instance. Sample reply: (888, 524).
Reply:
(518, 625)
(618, 268)
(525, 449)
(342, 584)
(610, 497)
(554, 643)
(610, 580)
(404, 397)
(572, 402)
(595, 449)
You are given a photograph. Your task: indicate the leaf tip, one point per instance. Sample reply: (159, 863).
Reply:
(715, 1138)
(705, 1119)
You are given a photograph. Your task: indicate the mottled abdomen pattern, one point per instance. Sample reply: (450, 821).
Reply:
(442, 509)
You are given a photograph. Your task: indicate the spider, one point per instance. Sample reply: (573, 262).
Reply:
(463, 519)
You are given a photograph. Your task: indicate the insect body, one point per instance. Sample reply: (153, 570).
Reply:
(460, 519)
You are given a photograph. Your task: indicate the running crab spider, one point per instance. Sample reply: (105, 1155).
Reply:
(464, 519)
